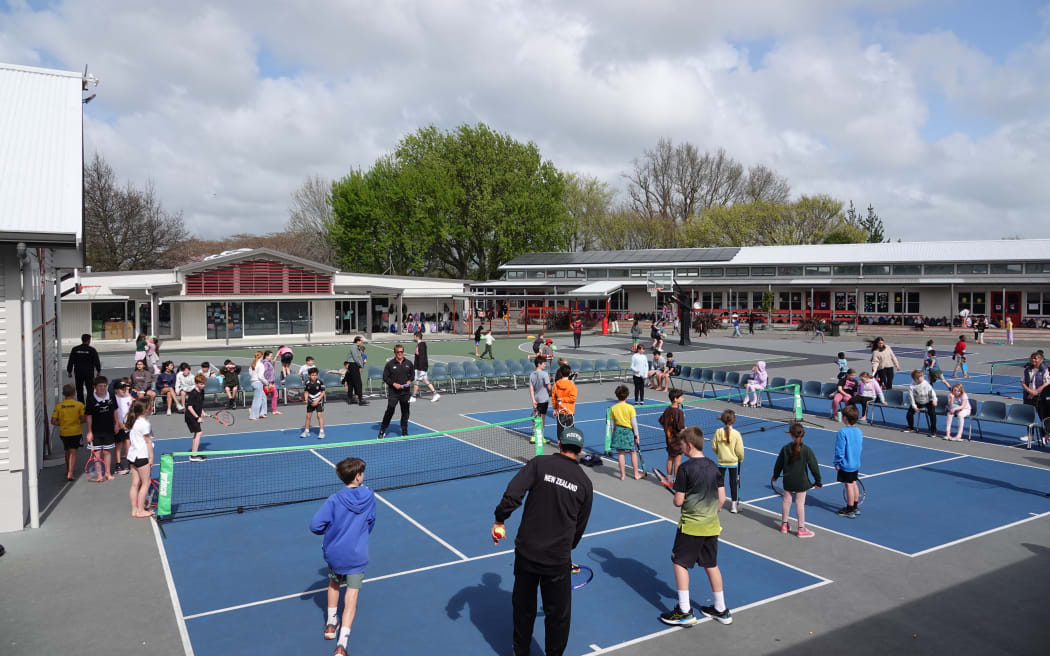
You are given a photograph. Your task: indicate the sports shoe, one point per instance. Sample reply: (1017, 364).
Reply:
(381, 435)
(733, 508)
(856, 511)
(725, 617)
(330, 631)
(805, 533)
(784, 528)
(843, 511)
(305, 433)
(180, 407)
(168, 412)
(675, 617)
(434, 398)
(198, 458)
(909, 430)
(411, 399)
(320, 435)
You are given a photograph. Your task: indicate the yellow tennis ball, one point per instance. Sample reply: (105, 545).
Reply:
(499, 532)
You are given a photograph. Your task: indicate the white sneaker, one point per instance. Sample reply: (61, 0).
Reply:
(733, 508)
(435, 397)
(169, 412)
(320, 435)
(181, 407)
(304, 434)
(411, 399)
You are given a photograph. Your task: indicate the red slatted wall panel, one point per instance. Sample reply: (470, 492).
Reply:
(260, 277)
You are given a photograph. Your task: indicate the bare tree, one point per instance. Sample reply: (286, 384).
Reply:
(126, 228)
(764, 185)
(310, 219)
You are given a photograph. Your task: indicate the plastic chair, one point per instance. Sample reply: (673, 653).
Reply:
(613, 365)
(810, 390)
(290, 383)
(487, 370)
(587, 367)
(733, 379)
(374, 373)
(471, 372)
(438, 374)
(827, 390)
(774, 383)
(333, 383)
(213, 387)
(244, 385)
(500, 369)
(1022, 414)
(456, 373)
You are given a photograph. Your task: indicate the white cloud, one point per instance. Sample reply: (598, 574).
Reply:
(593, 83)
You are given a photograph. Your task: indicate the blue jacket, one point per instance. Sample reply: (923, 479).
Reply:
(848, 444)
(345, 520)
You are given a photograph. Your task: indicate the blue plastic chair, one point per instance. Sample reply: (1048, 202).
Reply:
(291, 383)
(471, 372)
(244, 385)
(1022, 414)
(333, 383)
(500, 369)
(439, 374)
(586, 367)
(488, 372)
(374, 373)
(213, 387)
(455, 371)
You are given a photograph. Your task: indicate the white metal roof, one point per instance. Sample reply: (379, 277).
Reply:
(41, 150)
(991, 250)
(598, 288)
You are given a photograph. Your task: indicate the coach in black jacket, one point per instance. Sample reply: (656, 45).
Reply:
(397, 374)
(83, 366)
(555, 517)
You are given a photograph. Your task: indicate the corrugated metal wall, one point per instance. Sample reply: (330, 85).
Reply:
(9, 343)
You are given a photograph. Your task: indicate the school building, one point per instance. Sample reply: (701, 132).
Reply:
(862, 283)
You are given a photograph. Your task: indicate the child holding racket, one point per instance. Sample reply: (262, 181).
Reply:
(625, 432)
(194, 412)
(564, 394)
(101, 415)
(793, 460)
(345, 520)
(140, 455)
(699, 492)
(849, 442)
(673, 421)
(729, 448)
(315, 394)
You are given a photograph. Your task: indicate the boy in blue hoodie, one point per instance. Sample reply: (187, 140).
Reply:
(848, 444)
(345, 520)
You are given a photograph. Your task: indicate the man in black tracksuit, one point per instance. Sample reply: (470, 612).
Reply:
(352, 379)
(555, 517)
(397, 374)
(83, 366)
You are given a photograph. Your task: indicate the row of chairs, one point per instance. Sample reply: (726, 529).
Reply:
(499, 373)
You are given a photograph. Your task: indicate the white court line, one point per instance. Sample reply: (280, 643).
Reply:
(462, 556)
(925, 464)
(255, 433)
(776, 513)
(297, 595)
(977, 535)
(180, 620)
(755, 604)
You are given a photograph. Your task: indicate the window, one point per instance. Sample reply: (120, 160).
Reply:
(558, 273)
(639, 273)
(260, 318)
(939, 269)
(107, 321)
(790, 300)
(971, 268)
(877, 302)
(789, 271)
(906, 302)
(295, 317)
(736, 272)
(218, 322)
(869, 301)
(711, 300)
(712, 272)
(687, 273)
(907, 269)
(515, 275)
(738, 300)
(1034, 307)
(973, 301)
(574, 273)
(535, 274)
(847, 270)
(1037, 267)
(877, 270)
(598, 273)
(756, 300)
(845, 302)
(659, 274)
(1008, 269)
(618, 273)
(763, 271)
(818, 271)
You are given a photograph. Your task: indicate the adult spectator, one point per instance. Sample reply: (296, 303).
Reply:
(883, 363)
(353, 372)
(83, 366)
(557, 508)
(1036, 384)
(397, 374)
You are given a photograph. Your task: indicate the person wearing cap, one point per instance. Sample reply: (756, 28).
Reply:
(547, 350)
(557, 507)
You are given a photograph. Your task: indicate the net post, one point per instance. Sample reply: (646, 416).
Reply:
(164, 481)
(608, 430)
(798, 402)
(537, 434)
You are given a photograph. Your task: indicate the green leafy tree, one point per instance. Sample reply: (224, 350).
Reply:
(456, 203)
(588, 202)
(871, 225)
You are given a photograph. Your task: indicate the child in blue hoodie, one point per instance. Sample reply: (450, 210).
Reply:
(848, 444)
(345, 520)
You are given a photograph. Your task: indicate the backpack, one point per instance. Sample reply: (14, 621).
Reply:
(590, 460)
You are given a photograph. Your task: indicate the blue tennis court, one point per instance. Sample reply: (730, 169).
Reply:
(255, 582)
(920, 497)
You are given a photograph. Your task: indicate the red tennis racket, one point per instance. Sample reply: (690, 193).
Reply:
(95, 469)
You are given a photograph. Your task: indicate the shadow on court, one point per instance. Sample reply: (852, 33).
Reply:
(641, 578)
(489, 608)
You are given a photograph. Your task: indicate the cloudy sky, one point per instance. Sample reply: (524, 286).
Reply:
(935, 112)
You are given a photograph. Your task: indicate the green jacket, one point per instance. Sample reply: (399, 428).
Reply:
(795, 478)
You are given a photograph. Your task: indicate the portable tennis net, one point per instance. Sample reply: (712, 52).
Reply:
(245, 479)
(706, 413)
(1005, 377)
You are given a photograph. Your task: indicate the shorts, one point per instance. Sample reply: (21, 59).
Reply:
(71, 442)
(319, 408)
(692, 550)
(121, 436)
(139, 462)
(421, 376)
(352, 581)
(230, 388)
(622, 439)
(674, 448)
(935, 375)
(102, 441)
(846, 476)
(194, 425)
(541, 408)
(477, 342)
(286, 358)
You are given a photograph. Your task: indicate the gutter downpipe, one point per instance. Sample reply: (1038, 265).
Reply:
(29, 398)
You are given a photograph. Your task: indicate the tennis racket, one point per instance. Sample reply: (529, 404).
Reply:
(565, 419)
(95, 469)
(581, 576)
(224, 417)
(778, 487)
(153, 494)
(862, 493)
(662, 479)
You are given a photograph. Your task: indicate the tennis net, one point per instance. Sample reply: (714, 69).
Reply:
(1005, 377)
(706, 413)
(234, 481)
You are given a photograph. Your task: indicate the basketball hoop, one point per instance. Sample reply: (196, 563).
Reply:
(653, 290)
(654, 287)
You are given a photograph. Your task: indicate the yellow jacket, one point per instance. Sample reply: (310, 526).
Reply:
(731, 452)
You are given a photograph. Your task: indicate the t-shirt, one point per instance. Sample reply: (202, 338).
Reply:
(843, 366)
(101, 413)
(314, 390)
(68, 413)
(538, 381)
(699, 480)
(489, 339)
(622, 413)
(137, 439)
(849, 442)
(420, 361)
(673, 421)
(930, 363)
(195, 400)
(165, 380)
(577, 327)
(123, 406)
